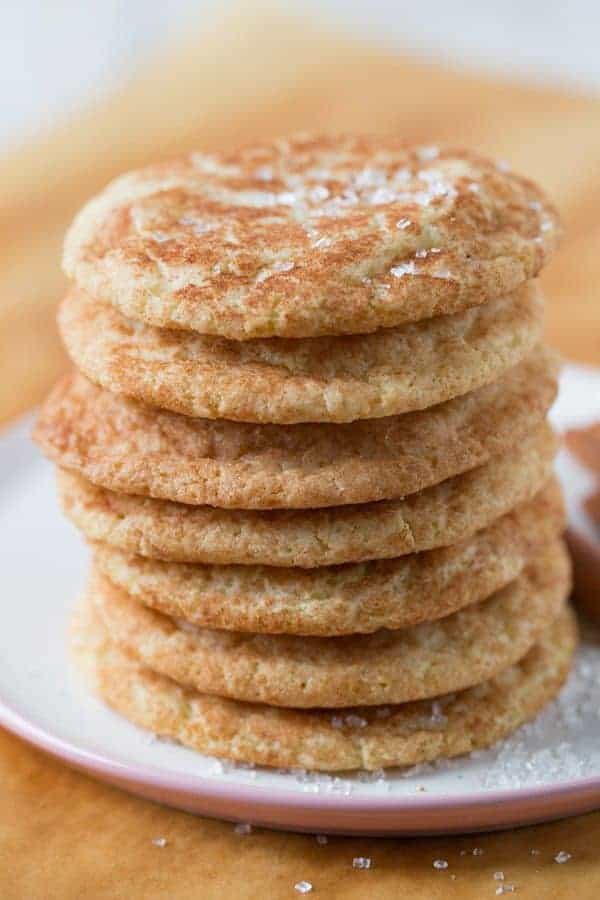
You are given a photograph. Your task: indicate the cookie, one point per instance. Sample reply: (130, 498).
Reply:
(351, 599)
(310, 236)
(319, 739)
(436, 517)
(125, 446)
(330, 379)
(448, 654)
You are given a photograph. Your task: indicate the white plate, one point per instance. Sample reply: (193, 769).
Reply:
(550, 768)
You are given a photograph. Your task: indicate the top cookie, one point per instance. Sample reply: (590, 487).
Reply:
(310, 236)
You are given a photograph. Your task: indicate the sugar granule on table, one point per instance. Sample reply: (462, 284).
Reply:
(303, 887)
(243, 828)
(440, 864)
(159, 841)
(562, 857)
(361, 862)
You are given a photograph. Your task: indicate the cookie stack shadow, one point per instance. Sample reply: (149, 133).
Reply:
(306, 440)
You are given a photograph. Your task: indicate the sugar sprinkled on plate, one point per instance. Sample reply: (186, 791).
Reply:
(371, 777)
(303, 887)
(562, 857)
(526, 757)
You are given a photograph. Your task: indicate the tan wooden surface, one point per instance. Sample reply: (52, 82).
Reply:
(65, 836)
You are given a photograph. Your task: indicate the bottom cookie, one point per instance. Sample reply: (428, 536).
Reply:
(327, 740)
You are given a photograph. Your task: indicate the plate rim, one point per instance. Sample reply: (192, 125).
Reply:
(199, 786)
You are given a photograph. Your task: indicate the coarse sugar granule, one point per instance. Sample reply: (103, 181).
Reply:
(159, 841)
(361, 862)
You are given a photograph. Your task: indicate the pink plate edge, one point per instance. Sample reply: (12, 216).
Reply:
(490, 810)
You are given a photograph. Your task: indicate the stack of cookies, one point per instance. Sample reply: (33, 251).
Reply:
(306, 442)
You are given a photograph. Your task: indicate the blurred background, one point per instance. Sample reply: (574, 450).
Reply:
(91, 88)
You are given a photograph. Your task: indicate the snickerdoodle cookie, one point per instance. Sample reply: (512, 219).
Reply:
(321, 739)
(351, 599)
(125, 446)
(310, 236)
(328, 379)
(436, 517)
